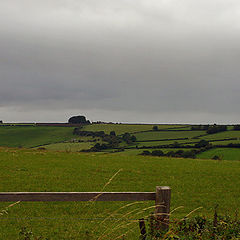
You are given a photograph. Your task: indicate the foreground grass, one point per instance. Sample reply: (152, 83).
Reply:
(194, 183)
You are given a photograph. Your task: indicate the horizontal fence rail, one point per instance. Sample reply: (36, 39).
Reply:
(161, 197)
(76, 196)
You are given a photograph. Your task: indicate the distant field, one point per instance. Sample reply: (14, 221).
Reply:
(221, 135)
(73, 147)
(225, 142)
(17, 124)
(195, 183)
(122, 128)
(60, 138)
(157, 135)
(33, 136)
(223, 153)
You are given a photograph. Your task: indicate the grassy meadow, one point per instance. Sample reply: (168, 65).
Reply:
(47, 158)
(195, 183)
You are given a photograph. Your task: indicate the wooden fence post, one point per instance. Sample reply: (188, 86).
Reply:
(142, 227)
(162, 209)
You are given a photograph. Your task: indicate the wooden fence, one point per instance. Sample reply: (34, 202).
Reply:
(161, 197)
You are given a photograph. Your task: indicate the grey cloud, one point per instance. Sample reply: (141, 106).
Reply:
(175, 58)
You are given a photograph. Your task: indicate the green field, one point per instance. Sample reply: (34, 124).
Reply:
(225, 142)
(194, 183)
(223, 153)
(33, 136)
(62, 138)
(222, 135)
(157, 135)
(122, 128)
(73, 147)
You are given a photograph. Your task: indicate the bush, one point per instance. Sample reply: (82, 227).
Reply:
(236, 127)
(146, 153)
(201, 144)
(216, 157)
(198, 227)
(112, 133)
(128, 138)
(157, 153)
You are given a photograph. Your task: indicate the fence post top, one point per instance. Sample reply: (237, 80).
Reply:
(163, 188)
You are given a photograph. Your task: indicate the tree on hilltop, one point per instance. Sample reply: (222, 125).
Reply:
(78, 119)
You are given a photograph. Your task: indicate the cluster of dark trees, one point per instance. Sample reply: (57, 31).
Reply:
(216, 128)
(110, 140)
(210, 129)
(113, 141)
(78, 120)
(201, 146)
(77, 131)
(236, 127)
(128, 138)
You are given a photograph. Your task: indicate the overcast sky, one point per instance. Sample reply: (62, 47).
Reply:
(152, 61)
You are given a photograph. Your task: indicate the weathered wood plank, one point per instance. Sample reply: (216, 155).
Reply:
(76, 196)
(162, 210)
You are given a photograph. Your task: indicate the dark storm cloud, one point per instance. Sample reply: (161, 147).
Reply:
(128, 60)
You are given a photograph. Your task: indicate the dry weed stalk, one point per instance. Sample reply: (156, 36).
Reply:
(119, 226)
(5, 210)
(109, 181)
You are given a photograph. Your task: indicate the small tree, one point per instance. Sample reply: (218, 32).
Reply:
(146, 152)
(112, 133)
(157, 153)
(202, 143)
(216, 157)
(133, 138)
(155, 128)
(78, 120)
